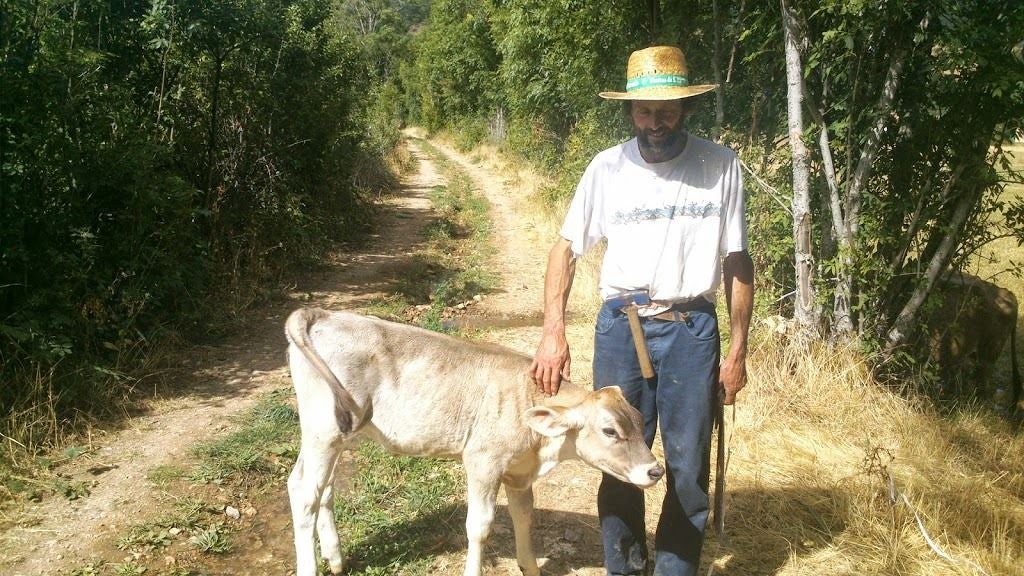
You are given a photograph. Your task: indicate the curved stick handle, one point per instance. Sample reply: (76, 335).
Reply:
(639, 342)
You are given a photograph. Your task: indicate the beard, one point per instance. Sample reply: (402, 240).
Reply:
(662, 145)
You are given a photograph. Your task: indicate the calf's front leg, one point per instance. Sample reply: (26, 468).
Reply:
(481, 497)
(520, 507)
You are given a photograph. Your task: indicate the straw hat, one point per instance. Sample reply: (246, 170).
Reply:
(657, 73)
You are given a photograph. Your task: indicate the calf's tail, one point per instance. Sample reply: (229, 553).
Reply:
(296, 328)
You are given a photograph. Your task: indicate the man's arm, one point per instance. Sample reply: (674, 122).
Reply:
(739, 296)
(552, 361)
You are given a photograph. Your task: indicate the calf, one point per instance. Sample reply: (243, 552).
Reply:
(967, 334)
(422, 393)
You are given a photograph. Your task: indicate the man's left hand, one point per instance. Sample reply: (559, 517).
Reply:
(732, 377)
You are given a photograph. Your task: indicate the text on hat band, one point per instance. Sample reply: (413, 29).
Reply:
(655, 81)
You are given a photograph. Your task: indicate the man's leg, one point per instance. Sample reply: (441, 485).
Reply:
(687, 355)
(620, 505)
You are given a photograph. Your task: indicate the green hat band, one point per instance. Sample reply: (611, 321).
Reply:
(655, 81)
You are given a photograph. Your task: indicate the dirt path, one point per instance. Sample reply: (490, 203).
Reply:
(216, 382)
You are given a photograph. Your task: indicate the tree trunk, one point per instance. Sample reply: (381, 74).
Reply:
(863, 172)
(717, 65)
(948, 238)
(843, 319)
(211, 143)
(804, 310)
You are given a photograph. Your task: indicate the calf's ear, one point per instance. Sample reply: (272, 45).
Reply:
(546, 420)
(610, 391)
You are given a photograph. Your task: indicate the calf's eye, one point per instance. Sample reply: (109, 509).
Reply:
(609, 432)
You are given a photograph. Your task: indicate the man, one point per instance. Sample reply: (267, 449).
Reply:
(671, 207)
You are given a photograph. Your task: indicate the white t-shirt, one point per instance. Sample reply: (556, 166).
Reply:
(668, 224)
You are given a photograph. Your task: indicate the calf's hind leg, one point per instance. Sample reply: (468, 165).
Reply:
(327, 530)
(311, 496)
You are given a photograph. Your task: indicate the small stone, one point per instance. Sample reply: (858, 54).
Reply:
(232, 512)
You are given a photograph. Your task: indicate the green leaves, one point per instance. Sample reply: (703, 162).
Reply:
(156, 157)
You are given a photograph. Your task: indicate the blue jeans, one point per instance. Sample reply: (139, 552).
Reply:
(680, 398)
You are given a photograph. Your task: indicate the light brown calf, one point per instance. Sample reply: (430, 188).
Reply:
(422, 393)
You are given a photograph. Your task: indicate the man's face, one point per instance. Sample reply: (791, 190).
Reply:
(658, 126)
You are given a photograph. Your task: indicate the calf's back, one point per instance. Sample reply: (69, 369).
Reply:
(417, 392)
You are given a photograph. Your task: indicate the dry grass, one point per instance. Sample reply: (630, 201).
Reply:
(814, 443)
(813, 447)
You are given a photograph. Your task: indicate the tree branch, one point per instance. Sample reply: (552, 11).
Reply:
(915, 223)
(867, 156)
(901, 327)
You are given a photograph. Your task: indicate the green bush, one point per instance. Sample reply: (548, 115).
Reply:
(159, 162)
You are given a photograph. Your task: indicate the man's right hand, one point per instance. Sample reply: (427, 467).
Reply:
(551, 363)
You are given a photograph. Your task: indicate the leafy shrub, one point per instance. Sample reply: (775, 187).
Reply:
(160, 163)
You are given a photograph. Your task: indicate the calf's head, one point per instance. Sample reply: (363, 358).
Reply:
(604, 431)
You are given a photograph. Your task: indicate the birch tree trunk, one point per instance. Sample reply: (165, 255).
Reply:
(843, 318)
(804, 310)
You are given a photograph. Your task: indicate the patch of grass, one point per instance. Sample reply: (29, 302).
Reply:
(390, 307)
(813, 449)
(254, 455)
(395, 518)
(129, 568)
(187, 514)
(186, 518)
(145, 538)
(259, 451)
(71, 489)
(179, 572)
(213, 539)
(90, 569)
(166, 474)
(36, 478)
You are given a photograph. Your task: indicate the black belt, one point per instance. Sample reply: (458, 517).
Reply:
(679, 312)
